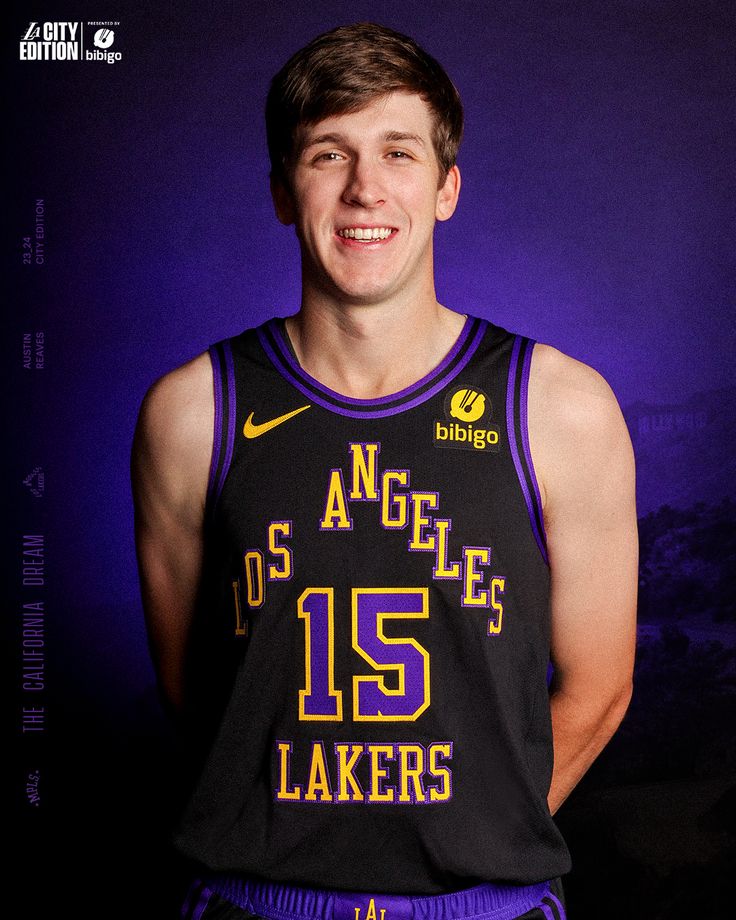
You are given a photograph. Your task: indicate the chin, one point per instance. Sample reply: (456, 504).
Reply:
(357, 293)
(363, 297)
(366, 290)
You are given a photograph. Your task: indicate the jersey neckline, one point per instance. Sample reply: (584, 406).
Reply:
(273, 339)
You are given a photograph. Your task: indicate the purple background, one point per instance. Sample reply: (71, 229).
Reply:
(596, 215)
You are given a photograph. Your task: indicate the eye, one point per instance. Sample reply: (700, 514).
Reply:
(329, 156)
(399, 155)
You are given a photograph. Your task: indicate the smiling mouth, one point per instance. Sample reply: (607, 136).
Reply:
(366, 234)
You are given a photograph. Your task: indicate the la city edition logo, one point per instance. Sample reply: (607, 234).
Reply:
(66, 41)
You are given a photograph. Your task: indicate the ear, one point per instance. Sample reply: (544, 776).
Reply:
(282, 201)
(447, 195)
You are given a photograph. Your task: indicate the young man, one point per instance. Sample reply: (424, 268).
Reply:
(354, 589)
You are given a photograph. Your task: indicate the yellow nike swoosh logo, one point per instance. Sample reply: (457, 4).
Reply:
(255, 431)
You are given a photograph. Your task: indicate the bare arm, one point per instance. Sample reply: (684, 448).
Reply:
(169, 470)
(583, 456)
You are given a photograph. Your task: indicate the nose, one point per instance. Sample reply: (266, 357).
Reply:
(364, 187)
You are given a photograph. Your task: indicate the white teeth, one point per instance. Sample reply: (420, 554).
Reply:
(365, 233)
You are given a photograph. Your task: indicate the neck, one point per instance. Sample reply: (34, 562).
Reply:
(370, 351)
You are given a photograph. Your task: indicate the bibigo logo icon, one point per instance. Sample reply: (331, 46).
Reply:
(465, 406)
(103, 38)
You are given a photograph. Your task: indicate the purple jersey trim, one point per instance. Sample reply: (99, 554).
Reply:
(294, 365)
(230, 373)
(222, 453)
(539, 532)
(547, 911)
(511, 431)
(217, 435)
(291, 371)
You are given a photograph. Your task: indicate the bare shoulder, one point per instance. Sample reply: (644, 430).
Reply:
(180, 403)
(577, 432)
(173, 439)
(572, 392)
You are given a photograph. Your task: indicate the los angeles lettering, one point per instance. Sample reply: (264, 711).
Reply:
(257, 570)
(399, 508)
(367, 772)
(404, 508)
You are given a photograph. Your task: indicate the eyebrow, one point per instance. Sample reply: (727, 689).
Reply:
(337, 138)
(404, 136)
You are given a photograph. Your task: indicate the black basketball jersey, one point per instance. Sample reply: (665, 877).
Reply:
(370, 659)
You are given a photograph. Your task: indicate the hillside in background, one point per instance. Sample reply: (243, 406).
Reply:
(684, 451)
(687, 565)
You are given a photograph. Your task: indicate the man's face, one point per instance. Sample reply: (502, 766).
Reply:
(364, 198)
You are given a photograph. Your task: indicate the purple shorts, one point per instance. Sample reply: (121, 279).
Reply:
(236, 898)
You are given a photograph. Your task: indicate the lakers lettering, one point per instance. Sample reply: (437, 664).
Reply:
(390, 773)
(398, 686)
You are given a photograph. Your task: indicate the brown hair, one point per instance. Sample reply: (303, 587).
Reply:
(343, 71)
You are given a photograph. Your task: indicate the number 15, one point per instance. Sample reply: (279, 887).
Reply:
(373, 700)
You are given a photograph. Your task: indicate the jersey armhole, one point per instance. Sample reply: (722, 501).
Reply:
(223, 381)
(517, 395)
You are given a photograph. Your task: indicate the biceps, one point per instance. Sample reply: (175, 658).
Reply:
(594, 583)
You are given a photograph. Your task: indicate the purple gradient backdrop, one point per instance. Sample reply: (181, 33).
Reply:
(595, 215)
